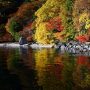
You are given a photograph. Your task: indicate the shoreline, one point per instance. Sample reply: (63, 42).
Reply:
(70, 46)
(75, 49)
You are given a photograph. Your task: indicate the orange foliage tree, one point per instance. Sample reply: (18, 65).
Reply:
(55, 24)
(82, 38)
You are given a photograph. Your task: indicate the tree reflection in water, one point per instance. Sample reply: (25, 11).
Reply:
(82, 72)
(58, 71)
(19, 65)
(43, 69)
(8, 81)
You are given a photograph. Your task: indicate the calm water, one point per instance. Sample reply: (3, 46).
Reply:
(43, 69)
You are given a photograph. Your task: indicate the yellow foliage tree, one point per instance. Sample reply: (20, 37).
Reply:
(49, 10)
(84, 21)
(43, 36)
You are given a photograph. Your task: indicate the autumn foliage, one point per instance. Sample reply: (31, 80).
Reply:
(55, 24)
(50, 20)
(82, 38)
(22, 19)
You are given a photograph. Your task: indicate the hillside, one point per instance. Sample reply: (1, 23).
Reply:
(45, 21)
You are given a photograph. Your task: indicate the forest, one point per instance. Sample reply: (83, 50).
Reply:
(45, 21)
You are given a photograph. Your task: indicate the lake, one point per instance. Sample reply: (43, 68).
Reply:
(43, 69)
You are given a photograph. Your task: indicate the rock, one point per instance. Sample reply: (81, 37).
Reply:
(22, 41)
(63, 48)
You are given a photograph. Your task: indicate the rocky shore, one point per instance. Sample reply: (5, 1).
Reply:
(75, 47)
(71, 47)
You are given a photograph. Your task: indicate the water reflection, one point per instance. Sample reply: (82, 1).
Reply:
(43, 69)
(7, 81)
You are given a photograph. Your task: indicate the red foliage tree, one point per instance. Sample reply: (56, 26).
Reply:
(82, 38)
(55, 23)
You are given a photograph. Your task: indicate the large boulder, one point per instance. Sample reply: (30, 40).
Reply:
(22, 41)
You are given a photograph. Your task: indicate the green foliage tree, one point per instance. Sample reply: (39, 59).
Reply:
(13, 27)
(21, 18)
(66, 14)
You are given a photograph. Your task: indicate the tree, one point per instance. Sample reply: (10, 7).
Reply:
(80, 7)
(23, 16)
(81, 14)
(45, 15)
(57, 8)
